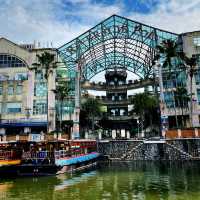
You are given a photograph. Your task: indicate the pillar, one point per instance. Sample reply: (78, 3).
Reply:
(86, 135)
(2, 131)
(51, 102)
(179, 133)
(113, 134)
(17, 137)
(27, 129)
(196, 132)
(76, 120)
(100, 135)
(128, 134)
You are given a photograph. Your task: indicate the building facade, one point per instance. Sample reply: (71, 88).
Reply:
(23, 91)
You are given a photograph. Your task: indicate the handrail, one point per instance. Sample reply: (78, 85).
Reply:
(9, 155)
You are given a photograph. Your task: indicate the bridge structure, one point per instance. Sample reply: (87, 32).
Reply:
(117, 43)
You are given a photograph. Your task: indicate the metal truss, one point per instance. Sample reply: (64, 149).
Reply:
(116, 42)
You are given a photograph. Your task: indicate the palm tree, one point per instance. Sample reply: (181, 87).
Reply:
(92, 108)
(191, 68)
(46, 63)
(62, 92)
(182, 99)
(143, 104)
(167, 50)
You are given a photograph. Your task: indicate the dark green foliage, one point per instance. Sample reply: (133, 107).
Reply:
(90, 110)
(181, 97)
(145, 106)
(46, 63)
(62, 92)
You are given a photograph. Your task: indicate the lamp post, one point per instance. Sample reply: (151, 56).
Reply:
(138, 127)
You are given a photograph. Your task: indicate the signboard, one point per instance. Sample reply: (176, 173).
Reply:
(35, 137)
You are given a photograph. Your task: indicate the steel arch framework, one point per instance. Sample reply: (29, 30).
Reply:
(117, 42)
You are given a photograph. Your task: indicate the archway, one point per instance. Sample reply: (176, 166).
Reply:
(115, 43)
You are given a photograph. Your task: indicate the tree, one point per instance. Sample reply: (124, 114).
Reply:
(46, 63)
(191, 68)
(62, 92)
(167, 50)
(92, 109)
(143, 104)
(181, 99)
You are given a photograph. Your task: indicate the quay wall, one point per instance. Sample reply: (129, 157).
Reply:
(169, 149)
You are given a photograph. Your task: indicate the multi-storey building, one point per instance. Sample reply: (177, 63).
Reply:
(190, 44)
(23, 91)
(23, 104)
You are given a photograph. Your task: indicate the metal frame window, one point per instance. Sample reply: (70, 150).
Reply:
(39, 75)
(1, 88)
(19, 89)
(40, 89)
(39, 107)
(169, 99)
(10, 89)
(7, 60)
(196, 41)
(198, 95)
(14, 107)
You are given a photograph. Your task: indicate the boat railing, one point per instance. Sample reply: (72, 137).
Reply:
(61, 154)
(38, 155)
(9, 155)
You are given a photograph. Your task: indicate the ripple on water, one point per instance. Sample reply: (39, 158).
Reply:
(133, 181)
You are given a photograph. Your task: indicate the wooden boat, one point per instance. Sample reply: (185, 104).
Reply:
(32, 161)
(9, 162)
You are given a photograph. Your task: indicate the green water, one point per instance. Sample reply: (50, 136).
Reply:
(118, 181)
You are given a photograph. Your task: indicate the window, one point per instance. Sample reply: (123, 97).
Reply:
(40, 89)
(39, 107)
(19, 89)
(169, 99)
(39, 75)
(14, 107)
(196, 41)
(21, 76)
(7, 60)
(1, 89)
(198, 95)
(10, 89)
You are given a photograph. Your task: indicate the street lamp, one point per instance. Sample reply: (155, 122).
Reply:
(138, 126)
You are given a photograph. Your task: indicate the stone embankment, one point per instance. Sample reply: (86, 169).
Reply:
(170, 149)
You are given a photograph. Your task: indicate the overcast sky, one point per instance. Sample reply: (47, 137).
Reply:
(59, 21)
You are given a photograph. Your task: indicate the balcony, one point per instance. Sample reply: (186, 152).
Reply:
(101, 86)
(120, 118)
(107, 101)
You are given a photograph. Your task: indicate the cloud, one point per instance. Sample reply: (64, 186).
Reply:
(174, 15)
(62, 20)
(51, 20)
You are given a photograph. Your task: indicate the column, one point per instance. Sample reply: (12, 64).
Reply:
(75, 133)
(162, 105)
(51, 101)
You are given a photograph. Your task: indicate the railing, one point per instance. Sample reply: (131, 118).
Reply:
(129, 85)
(62, 154)
(37, 155)
(9, 155)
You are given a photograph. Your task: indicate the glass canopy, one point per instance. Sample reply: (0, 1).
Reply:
(116, 42)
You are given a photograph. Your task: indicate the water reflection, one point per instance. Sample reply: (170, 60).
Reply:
(84, 177)
(116, 181)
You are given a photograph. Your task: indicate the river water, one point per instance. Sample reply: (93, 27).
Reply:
(116, 181)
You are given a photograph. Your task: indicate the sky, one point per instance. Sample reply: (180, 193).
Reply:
(59, 21)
